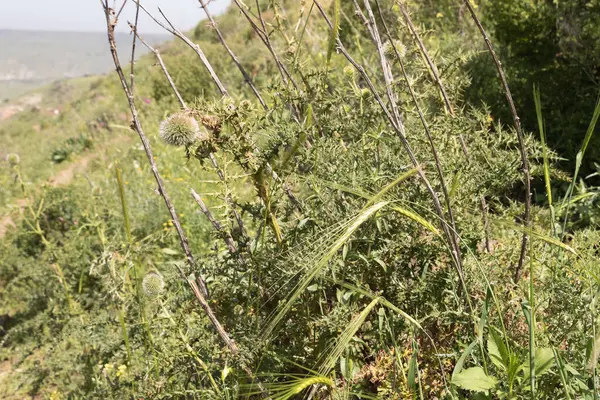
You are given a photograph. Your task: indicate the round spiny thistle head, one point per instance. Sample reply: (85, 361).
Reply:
(364, 92)
(181, 129)
(391, 53)
(350, 72)
(153, 284)
(13, 159)
(96, 191)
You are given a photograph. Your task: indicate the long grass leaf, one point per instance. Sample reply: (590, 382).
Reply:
(346, 337)
(314, 271)
(579, 159)
(536, 235)
(538, 111)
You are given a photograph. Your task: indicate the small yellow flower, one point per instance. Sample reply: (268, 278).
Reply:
(122, 370)
(108, 367)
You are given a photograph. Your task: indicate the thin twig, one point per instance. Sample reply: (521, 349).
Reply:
(137, 126)
(216, 225)
(134, 29)
(236, 61)
(164, 69)
(198, 285)
(438, 164)
(194, 46)
(433, 69)
(522, 148)
(430, 63)
(264, 37)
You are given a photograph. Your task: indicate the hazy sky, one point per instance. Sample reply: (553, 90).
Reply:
(87, 15)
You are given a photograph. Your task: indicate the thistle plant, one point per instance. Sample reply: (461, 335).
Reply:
(13, 159)
(182, 129)
(153, 284)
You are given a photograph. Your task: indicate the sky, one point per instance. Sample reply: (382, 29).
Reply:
(87, 15)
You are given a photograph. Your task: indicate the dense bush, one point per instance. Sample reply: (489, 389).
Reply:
(555, 45)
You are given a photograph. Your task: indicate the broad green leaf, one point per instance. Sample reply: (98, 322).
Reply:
(461, 361)
(497, 351)
(474, 379)
(543, 361)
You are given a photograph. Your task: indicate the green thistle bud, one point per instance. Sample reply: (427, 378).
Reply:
(350, 72)
(364, 92)
(153, 284)
(391, 53)
(181, 129)
(13, 159)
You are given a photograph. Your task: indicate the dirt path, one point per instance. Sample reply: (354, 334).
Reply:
(8, 110)
(62, 178)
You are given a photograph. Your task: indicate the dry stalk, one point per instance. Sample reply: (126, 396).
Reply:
(162, 66)
(400, 132)
(198, 286)
(433, 69)
(522, 149)
(438, 164)
(263, 34)
(234, 58)
(136, 125)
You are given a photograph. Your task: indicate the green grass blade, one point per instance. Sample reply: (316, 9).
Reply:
(536, 235)
(579, 159)
(345, 338)
(538, 110)
(314, 271)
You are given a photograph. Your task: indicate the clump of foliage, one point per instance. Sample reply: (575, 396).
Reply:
(556, 46)
(358, 237)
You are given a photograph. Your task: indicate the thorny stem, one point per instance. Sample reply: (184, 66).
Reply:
(522, 149)
(433, 69)
(137, 126)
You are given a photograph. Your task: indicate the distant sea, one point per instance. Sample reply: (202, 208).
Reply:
(30, 59)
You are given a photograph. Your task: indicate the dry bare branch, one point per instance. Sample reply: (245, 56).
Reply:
(522, 149)
(137, 126)
(234, 58)
(400, 132)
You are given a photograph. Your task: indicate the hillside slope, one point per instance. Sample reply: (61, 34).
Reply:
(380, 260)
